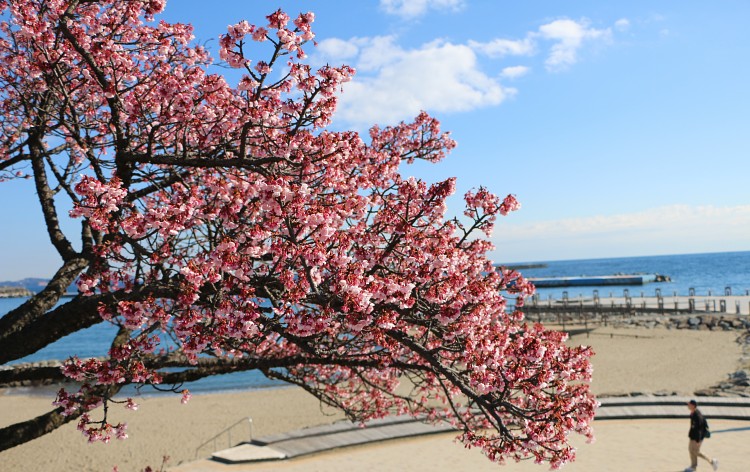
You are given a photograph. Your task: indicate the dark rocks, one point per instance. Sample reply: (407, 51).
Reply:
(702, 323)
(737, 383)
(740, 378)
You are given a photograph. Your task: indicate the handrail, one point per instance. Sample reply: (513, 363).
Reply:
(228, 431)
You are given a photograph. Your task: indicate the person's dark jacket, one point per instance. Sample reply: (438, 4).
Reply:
(697, 426)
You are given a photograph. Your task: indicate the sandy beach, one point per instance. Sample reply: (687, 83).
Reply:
(627, 360)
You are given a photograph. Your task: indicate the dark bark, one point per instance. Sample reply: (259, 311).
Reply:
(201, 162)
(77, 314)
(30, 375)
(47, 201)
(20, 433)
(36, 306)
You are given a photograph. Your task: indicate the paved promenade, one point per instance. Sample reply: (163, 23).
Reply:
(344, 434)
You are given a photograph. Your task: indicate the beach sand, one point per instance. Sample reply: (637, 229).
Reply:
(627, 360)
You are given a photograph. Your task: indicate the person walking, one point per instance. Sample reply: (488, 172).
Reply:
(698, 431)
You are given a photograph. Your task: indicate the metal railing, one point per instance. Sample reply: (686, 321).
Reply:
(228, 432)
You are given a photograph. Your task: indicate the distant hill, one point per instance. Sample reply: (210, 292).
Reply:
(35, 285)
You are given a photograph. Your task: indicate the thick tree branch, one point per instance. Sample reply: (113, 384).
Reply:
(47, 201)
(202, 162)
(30, 375)
(25, 431)
(124, 169)
(12, 161)
(204, 367)
(36, 306)
(79, 313)
(20, 433)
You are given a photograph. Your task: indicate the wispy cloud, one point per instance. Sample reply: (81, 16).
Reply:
(498, 48)
(623, 24)
(409, 9)
(513, 72)
(569, 36)
(663, 230)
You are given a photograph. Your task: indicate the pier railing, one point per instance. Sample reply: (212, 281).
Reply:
(227, 433)
(596, 309)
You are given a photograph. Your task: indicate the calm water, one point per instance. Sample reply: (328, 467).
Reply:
(702, 272)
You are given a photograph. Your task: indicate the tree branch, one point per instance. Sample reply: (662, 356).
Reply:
(25, 431)
(47, 201)
(30, 375)
(13, 160)
(79, 313)
(20, 433)
(202, 162)
(36, 306)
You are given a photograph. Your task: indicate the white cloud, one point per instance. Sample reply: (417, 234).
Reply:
(674, 229)
(414, 8)
(336, 49)
(569, 36)
(498, 48)
(377, 52)
(396, 84)
(622, 24)
(514, 72)
(367, 54)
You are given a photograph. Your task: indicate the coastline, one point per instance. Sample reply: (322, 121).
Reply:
(624, 364)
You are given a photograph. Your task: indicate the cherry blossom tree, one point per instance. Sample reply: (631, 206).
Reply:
(228, 228)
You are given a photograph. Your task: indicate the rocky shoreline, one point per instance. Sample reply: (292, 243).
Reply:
(708, 322)
(15, 292)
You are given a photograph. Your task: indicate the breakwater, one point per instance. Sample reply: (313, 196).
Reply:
(601, 280)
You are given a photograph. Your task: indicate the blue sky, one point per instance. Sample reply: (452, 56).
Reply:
(622, 127)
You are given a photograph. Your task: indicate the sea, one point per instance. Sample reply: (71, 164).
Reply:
(701, 274)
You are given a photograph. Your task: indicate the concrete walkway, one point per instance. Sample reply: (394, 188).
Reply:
(343, 434)
(324, 438)
(619, 408)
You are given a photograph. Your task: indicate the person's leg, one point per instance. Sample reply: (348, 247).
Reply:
(714, 463)
(693, 449)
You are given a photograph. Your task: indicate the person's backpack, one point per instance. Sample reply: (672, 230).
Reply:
(706, 431)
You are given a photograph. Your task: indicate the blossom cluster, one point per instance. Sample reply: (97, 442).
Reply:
(290, 40)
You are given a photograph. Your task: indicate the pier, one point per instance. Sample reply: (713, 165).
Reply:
(583, 313)
(738, 305)
(583, 281)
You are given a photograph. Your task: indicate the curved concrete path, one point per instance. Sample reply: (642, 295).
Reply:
(343, 434)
